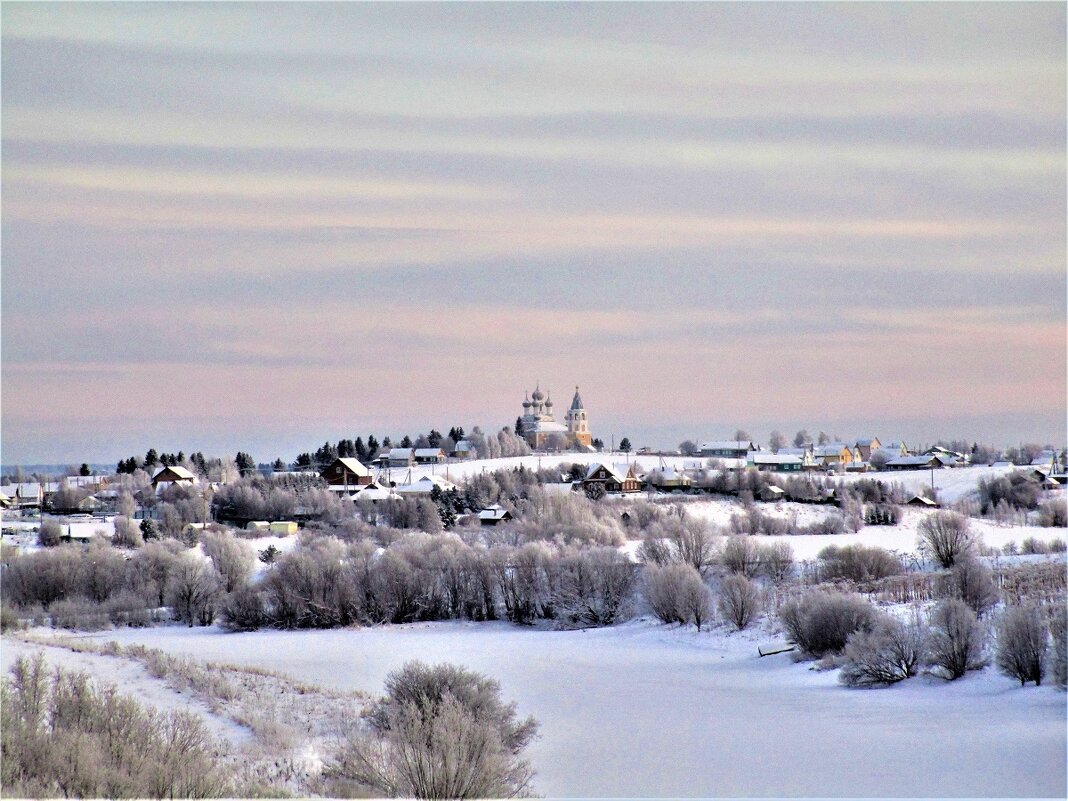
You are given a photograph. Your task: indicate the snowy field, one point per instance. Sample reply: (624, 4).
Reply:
(647, 710)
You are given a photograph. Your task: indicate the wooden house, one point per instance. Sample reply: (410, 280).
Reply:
(779, 462)
(865, 447)
(174, 475)
(346, 472)
(492, 515)
(612, 479)
(727, 449)
(429, 455)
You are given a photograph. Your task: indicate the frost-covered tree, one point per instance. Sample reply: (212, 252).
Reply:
(776, 440)
(440, 731)
(1022, 634)
(956, 640)
(888, 653)
(739, 600)
(946, 536)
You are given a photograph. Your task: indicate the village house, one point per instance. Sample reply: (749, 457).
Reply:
(429, 455)
(834, 455)
(492, 515)
(462, 450)
(779, 462)
(613, 479)
(923, 462)
(865, 447)
(400, 457)
(727, 449)
(426, 485)
(668, 479)
(346, 474)
(174, 475)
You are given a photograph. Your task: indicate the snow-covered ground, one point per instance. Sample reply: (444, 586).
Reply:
(902, 538)
(643, 709)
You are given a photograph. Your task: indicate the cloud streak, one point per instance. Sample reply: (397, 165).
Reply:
(306, 218)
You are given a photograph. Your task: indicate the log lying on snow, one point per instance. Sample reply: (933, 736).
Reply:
(775, 648)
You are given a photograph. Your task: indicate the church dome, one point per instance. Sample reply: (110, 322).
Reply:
(538, 396)
(576, 402)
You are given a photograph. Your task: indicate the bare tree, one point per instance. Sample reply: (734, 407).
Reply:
(676, 593)
(972, 583)
(739, 600)
(956, 641)
(946, 536)
(776, 440)
(740, 555)
(193, 591)
(49, 534)
(1022, 634)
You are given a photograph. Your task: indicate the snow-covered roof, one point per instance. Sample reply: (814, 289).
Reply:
(830, 449)
(864, 443)
(914, 461)
(354, 465)
(545, 427)
(179, 473)
(794, 451)
(494, 512)
(400, 453)
(463, 445)
(426, 484)
(776, 458)
(727, 444)
(428, 452)
(612, 470)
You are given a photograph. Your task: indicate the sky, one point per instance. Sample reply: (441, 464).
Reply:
(262, 226)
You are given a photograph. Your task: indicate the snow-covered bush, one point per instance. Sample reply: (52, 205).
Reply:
(857, 563)
(739, 600)
(1053, 513)
(740, 554)
(595, 586)
(1022, 633)
(194, 590)
(776, 560)
(439, 732)
(1058, 627)
(821, 623)
(972, 582)
(49, 534)
(64, 736)
(127, 533)
(946, 536)
(955, 644)
(233, 558)
(890, 652)
(676, 593)
(687, 540)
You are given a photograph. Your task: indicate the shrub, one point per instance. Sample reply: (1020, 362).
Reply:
(1053, 513)
(739, 600)
(50, 534)
(127, 533)
(888, 653)
(194, 590)
(740, 555)
(946, 536)
(776, 560)
(821, 623)
(858, 563)
(243, 610)
(971, 582)
(1058, 626)
(594, 587)
(956, 641)
(439, 732)
(1021, 647)
(64, 736)
(233, 558)
(673, 590)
